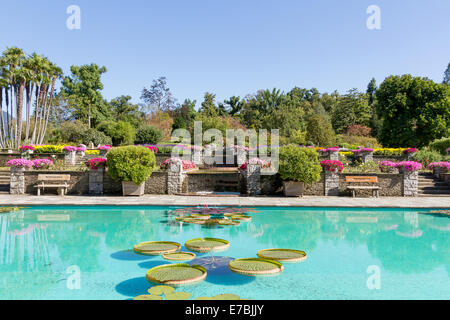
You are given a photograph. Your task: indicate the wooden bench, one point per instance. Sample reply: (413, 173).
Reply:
(363, 179)
(43, 180)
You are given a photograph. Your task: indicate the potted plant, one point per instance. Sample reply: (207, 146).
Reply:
(298, 166)
(132, 165)
(388, 167)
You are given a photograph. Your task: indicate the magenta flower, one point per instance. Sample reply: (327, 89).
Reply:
(358, 151)
(105, 147)
(256, 161)
(42, 163)
(409, 165)
(70, 149)
(96, 163)
(410, 150)
(24, 148)
(20, 163)
(186, 163)
(443, 165)
(332, 165)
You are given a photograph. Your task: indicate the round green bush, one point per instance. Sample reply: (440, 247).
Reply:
(148, 135)
(440, 145)
(299, 164)
(131, 163)
(426, 156)
(96, 137)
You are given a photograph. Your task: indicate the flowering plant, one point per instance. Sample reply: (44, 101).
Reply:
(332, 165)
(152, 149)
(19, 163)
(257, 161)
(358, 151)
(409, 165)
(24, 148)
(387, 166)
(70, 149)
(105, 147)
(444, 165)
(332, 149)
(81, 149)
(186, 163)
(42, 163)
(96, 163)
(410, 150)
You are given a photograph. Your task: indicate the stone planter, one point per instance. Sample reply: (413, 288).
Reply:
(132, 189)
(293, 188)
(252, 176)
(70, 158)
(175, 178)
(410, 183)
(196, 157)
(17, 182)
(331, 183)
(96, 181)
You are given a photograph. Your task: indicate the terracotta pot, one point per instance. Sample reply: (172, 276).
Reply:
(132, 189)
(293, 188)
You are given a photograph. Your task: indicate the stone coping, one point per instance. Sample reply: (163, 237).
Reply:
(169, 200)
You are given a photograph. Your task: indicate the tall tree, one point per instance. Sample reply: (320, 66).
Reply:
(415, 110)
(82, 89)
(234, 105)
(209, 107)
(371, 90)
(447, 75)
(123, 110)
(159, 97)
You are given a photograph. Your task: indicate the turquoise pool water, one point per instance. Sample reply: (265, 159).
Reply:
(42, 247)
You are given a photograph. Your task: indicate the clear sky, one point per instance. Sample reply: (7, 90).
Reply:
(235, 47)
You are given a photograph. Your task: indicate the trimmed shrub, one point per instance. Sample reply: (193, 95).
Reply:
(131, 163)
(148, 135)
(96, 137)
(299, 164)
(121, 133)
(426, 156)
(440, 145)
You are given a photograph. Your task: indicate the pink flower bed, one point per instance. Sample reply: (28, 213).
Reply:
(332, 165)
(70, 149)
(332, 149)
(152, 149)
(409, 166)
(443, 165)
(386, 166)
(24, 148)
(358, 151)
(105, 147)
(20, 163)
(257, 161)
(42, 163)
(186, 163)
(96, 163)
(410, 150)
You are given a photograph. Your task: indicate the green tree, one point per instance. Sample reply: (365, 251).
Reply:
(415, 111)
(82, 89)
(319, 131)
(123, 110)
(447, 75)
(371, 90)
(159, 97)
(209, 107)
(184, 115)
(121, 132)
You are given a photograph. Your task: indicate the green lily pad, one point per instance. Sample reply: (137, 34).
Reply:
(285, 255)
(200, 216)
(178, 296)
(179, 256)
(176, 274)
(255, 266)
(241, 217)
(207, 244)
(227, 222)
(230, 214)
(154, 248)
(204, 298)
(227, 296)
(161, 290)
(148, 297)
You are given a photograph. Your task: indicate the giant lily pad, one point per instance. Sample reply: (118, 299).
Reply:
(176, 274)
(178, 296)
(285, 255)
(161, 290)
(179, 256)
(255, 266)
(207, 244)
(154, 248)
(241, 218)
(148, 297)
(227, 296)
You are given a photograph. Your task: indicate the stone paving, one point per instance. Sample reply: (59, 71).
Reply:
(167, 200)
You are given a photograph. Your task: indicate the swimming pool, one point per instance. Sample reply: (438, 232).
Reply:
(404, 252)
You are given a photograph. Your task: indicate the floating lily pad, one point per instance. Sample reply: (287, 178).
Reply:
(154, 248)
(230, 214)
(148, 297)
(227, 296)
(227, 222)
(161, 290)
(255, 266)
(241, 218)
(178, 296)
(194, 221)
(8, 209)
(207, 244)
(200, 216)
(176, 274)
(204, 298)
(285, 255)
(441, 212)
(179, 256)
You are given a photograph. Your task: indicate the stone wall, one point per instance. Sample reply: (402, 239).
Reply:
(391, 185)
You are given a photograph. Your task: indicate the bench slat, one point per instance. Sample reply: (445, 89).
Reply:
(54, 177)
(361, 179)
(363, 187)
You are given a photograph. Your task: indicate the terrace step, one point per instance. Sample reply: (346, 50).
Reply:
(429, 185)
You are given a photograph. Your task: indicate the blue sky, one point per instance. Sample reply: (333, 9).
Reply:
(232, 47)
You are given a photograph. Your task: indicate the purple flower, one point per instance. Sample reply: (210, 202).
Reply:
(19, 163)
(409, 165)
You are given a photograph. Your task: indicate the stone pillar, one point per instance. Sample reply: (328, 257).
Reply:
(96, 181)
(17, 184)
(331, 183)
(410, 183)
(70, 158)
(79, 155)
(253, 178)
(175, 178)
(366, 157)
(208, 157)
(333, 155)
(196, 156)
(241, 156)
